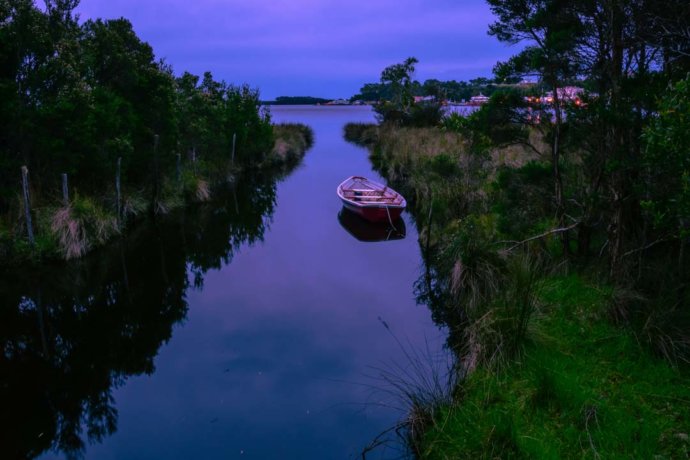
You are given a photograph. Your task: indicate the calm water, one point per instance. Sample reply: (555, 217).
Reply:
(254, 327)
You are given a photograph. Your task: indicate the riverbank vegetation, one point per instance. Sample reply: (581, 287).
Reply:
(108, 134)
(554, 232)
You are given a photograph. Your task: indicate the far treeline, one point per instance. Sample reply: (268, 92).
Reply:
(555, 232)
(297, 100)
(105, 130)
(451, 90)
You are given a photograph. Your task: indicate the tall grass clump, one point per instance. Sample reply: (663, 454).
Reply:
(662, 321)
(499, 329)
(364, 134)
(420, 386)
(82, 225)
(194, 187)
(292, 140)
(494, 293)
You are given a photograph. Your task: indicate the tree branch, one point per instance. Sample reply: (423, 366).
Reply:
(653, 243)
(550, 232)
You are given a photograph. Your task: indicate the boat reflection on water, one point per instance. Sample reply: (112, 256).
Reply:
(371, 232)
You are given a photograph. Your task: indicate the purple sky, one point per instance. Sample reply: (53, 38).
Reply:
(325, 48)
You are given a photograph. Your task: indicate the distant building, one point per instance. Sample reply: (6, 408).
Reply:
(418, 99)
(479, 99)
(566, 94)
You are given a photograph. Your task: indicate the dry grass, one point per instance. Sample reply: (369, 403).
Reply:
(410, 146)
(81, 226)
(203, 191)
(292, 140)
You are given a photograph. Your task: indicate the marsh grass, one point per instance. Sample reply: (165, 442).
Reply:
(499, 326)
(363, 134)
(81, 226)
(203, 191)
(133, 206)
(420, 385)
(664, 324)
(292, 140)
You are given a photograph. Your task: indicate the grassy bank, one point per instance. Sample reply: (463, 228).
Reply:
(582, 388)
(557, 365)
(87, 222)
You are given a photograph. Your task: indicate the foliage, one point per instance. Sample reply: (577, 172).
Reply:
(91, 100)
(399, 77)
(443, 90)
(521, 198)
(667, 163)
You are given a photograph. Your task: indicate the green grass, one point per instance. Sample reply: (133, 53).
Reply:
(292, 140)
(582, 389)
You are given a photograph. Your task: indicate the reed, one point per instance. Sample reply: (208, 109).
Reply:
(82, 225)
(292, 140)
(420, 386)
(364, 134)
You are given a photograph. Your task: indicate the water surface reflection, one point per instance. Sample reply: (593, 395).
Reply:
(74, 333)
(243, 329)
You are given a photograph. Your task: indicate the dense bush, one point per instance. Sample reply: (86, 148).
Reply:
(92, 100)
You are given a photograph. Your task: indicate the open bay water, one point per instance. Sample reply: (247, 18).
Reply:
(254, 327)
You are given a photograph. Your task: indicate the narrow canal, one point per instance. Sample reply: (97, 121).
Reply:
(256, 327)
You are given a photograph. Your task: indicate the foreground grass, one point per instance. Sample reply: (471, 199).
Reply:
(582, 389)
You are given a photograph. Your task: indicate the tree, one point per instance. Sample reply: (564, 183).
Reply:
(550, 27)
(399, 78)
(666, 159)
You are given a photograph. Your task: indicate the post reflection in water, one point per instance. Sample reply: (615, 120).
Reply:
(72, 334)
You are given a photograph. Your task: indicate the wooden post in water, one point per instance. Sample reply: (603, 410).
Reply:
(154, 203)
(27, 204)
(234, 140)
(65, 190)
(118, 198)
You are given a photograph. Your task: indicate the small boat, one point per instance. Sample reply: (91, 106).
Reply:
(373, 201)
(367, 231)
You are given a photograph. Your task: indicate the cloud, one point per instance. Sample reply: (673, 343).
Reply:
(312, 39)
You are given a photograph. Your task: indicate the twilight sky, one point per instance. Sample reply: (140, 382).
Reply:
(323, 48)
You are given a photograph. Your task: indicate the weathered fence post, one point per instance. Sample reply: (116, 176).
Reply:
(234, 139)
(118, 198)
(156, 187)
(27, 204)
(65, 190)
